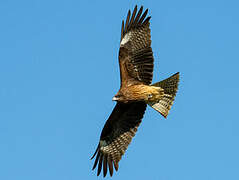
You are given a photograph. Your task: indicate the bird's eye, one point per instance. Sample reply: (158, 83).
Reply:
(150, 96)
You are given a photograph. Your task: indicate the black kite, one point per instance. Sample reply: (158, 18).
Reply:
(136, 71)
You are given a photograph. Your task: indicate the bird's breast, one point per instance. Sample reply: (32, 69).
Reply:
(141, 93)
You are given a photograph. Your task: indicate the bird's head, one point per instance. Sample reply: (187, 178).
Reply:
(118, 97)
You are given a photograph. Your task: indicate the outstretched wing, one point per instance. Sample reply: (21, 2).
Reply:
(117, 134)
(135, 54)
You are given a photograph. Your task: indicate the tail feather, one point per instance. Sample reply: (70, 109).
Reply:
(170, 86)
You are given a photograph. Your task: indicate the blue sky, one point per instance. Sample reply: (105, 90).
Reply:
(59, 72)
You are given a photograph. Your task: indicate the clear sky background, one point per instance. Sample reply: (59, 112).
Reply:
(59, 72)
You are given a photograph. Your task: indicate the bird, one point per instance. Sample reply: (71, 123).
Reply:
(136, 64)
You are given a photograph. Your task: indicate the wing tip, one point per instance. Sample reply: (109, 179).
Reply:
(116, 165)
(105, 160)
(100, 165)
(134, 20)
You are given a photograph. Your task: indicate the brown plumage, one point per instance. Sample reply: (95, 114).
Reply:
(136, 72)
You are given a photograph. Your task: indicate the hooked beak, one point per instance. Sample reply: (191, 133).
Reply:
(114, 98)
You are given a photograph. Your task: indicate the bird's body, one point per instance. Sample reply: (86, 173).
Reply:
(140, 92)
(136, 91)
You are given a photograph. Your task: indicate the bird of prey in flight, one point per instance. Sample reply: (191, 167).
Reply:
(136, 91)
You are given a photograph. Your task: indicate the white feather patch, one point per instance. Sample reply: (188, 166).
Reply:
(103, 143)
(126, 38)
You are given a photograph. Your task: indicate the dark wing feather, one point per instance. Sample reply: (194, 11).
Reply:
(117, 134)
(135, 54)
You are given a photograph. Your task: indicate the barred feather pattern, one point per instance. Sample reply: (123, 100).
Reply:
(112, 152)
(170, 87)
(136, 47)
(117, 134)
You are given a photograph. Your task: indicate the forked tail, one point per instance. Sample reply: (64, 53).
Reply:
(170, 86)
